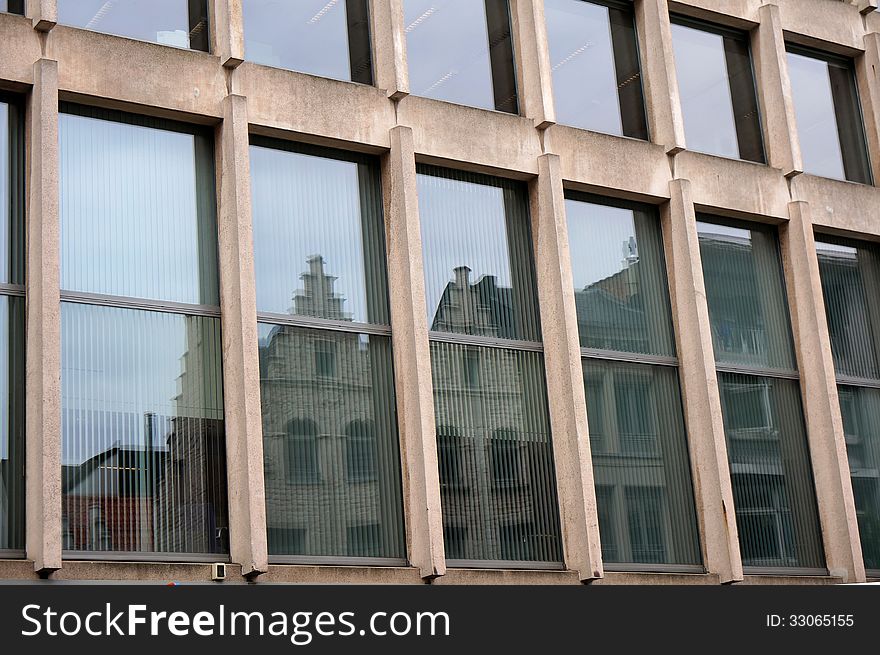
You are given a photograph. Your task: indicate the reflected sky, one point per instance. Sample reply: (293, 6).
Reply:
(159, 21)
(618, 234)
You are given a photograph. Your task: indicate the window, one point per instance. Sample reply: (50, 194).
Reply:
(461, 51)
(829, 117)
(637, 434)
(849, 272)
(143, 445)
(717, 87)
(330, 39)
(12, 6)
(12, 292)
(770, 469)
(497, 478)
(325, 353)
(597, 79)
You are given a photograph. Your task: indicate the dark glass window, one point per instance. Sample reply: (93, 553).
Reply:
(497, 479)
(179, 23)
(325, 354)
(461, 51)
(331, 39)
(639, 444)
(12, 6)
(717, 86)
(770, 469)
(829, 117)
(597, 78)
(850, 282)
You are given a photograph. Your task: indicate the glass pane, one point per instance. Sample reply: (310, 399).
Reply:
(137, 209)
(770, 471)
(311, 36)
(460, 51)
(11, 423)
(319, 244)
(596, 73)
(640, 461)
(860, 408)
(143, 453)
(619, 272)
(180, 23)
(330, 444)
(479, 271)
(497, 481)
(11, 195)
(748, 308)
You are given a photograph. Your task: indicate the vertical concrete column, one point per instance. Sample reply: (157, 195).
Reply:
(43, 13)
(774, 93)
(658, 68)
(578, 515)
(834, 494)
(532, 54)
(865, 6)
(389, 47)
(699, 386)
(868, 78)
(43, 348)
(412, 357)
(227, 32)
(241, 364)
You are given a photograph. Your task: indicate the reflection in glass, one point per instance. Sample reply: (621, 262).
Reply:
(330, 444)
(770, 471)
(11, 194)
(331, 39)
(180, 23)
(11, 423)
(597, 80)
(497, 482)
(137, 208)
(748, 309)
(460, 51)
(479, 271)
(143, 453)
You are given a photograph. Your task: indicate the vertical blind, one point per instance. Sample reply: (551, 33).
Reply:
(332, 461)
(771, 473)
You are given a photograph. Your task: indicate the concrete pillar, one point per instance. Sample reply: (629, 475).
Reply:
(241, 364)
(834, 495)
(412, 358)
(533, 68)
(865, 6)
(699, 386)
(774, 94)
(658, 69)
(43, 13)
(868, 79)
(578, 515)
(43, 348)
(389, 47)
(227, 32)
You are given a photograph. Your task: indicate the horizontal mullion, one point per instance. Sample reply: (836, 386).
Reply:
(323, 560)
(125, 302)
(784, 374)
(312, 322)
(503, 565)
(12, 289)
(633, 358)
(853, 381)
(785, 571)
(612, 567)
(142, 556)
(490, 342)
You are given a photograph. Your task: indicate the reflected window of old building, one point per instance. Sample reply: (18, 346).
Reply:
(829, 116)
(497, 478)
(330, 39)
(850, 272)
(641, 462)
(178, 23)
(461, 51)
(719, 100)
(597, 77)
(770, 468)
(12, 306)
(325, 356)
(143, 444)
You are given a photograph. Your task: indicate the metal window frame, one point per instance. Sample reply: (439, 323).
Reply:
(324, 324)
(488, 342)
(504, 564)
(12, 553)
(330, 560)
(629, 357)
(785, 571)
(143, 556)
(139, 304)
(618, 567)
(17, 290)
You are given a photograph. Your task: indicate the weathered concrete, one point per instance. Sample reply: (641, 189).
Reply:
(43, 14)
(840, 206)
(841, 29)
(21, 50)
(227, 31)
(658, 578)
(389, 48)
(533, 62)
(868, 78)
(497, 577)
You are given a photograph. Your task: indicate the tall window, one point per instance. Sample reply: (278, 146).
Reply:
(829, 117)
(597, 79)
(331, 39)
(770, 469)
(332, 461)
(637, 433)
(461, 51)
(850, 273)
(143, 451)
(717, 86)
(497, 480)
(179, 23)
(11, 328)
